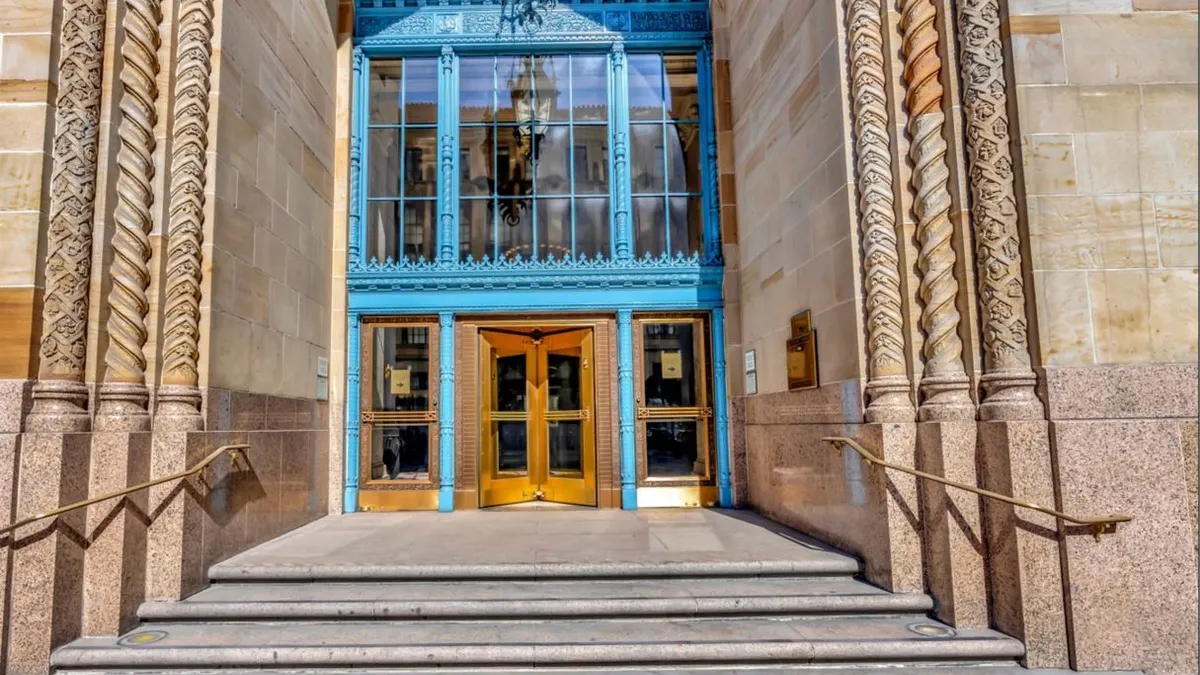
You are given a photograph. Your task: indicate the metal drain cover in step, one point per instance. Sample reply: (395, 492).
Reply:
(142, 639)
(931, 630)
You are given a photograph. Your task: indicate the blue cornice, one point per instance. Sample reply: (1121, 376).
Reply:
(427, 23)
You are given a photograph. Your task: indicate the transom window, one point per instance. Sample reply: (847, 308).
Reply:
(533, 142)
(533, 137)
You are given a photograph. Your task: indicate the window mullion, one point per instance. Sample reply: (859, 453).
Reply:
(401, 217)
(709, 171)
(446, 185)
(620, 187)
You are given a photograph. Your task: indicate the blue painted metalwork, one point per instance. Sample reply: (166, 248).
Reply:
(353, 365)
(446, 411)
(448, 284)
(626, 414)
(721, 410)
(709, 171)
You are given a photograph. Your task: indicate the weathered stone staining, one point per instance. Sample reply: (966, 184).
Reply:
(123, 396)
(179, 395)
(60, 395)
(888, 385)
(1008, 380)
(944, 384)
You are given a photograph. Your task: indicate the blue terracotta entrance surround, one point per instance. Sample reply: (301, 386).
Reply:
(443, 277)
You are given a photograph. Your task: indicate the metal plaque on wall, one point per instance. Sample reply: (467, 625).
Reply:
(802, 354)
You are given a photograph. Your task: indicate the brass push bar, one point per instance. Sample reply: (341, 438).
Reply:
(234, 450)
(1098, 525)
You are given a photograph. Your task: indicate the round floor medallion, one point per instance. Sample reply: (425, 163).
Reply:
(142, 639)
(931, 630)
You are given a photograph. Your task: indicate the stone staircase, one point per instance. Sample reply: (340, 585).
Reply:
(697, 613)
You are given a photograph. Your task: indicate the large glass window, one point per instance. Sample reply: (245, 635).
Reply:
(533, 144)
(673, 401)
(665, 153)
(401, 218)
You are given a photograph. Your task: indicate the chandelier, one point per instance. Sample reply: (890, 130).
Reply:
(524, 13)
(534, 93)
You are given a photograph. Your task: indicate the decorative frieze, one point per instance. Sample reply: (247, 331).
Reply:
(888, 385)
(1008, 379)
(944, 383)
(60, 395)
(180, 396)
(123, 396)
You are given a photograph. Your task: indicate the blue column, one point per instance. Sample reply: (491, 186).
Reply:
(709, 170)
(721, 410)
(357, 141)
(622, 201)
(447, 156)
(625, 379)
(353, 368)
(446, 412)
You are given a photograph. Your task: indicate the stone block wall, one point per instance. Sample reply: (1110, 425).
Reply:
(1106, 103)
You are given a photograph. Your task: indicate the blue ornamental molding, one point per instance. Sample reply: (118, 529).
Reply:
(415, 23)
(517, 273)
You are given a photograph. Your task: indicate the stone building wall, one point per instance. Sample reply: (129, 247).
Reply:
(1106, 102)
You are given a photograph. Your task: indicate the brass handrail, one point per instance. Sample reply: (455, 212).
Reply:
(234, 449)
(1098, 525)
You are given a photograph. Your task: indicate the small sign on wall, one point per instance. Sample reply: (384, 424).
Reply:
(672, 365)
(751, 373)
(401, 382)
(802, 354)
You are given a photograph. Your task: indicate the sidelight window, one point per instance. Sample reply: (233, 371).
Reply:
(399, 422)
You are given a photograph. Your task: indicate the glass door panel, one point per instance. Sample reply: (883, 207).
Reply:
(673, 402)
(565, 370)
(507, 389)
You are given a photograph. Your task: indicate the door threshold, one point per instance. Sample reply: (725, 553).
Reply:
(539, 506)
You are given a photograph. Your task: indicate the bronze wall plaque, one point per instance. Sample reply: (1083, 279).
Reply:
(802, 362)
(802, 323)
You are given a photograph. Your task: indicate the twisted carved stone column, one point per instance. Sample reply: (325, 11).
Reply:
(888, 384)
(123, 396)
(944, 384)
(60, 395)
(1008, 381)
(179, 396)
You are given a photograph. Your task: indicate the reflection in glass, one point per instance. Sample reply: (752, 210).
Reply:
(383, 173)
(420, 91)
(385, 92)
(683, 157)
(510, 383)
(668, 364)
(554, 227)
(565, 446)
(589, 88)
(683, 100)
(553, 76)
(400, 358)
(400, 453)
(420, 218)
(475, 228)
(672, 449)
(515, 235)
(649, 225)
(476, 161)
(562, 382)
(476, 89)
(646, 157)
(383, 231)
(592, 232)
(420, 162)
(645, 86)
(552, 172)
(590, 159)
(686, 229)
(512, 454)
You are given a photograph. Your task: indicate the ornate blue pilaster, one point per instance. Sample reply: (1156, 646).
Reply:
(625, 390)
(446, 411)
(709, 169)
(622, 201)
(721, 410)
(447, 155)
(357, 141)
(353, 368)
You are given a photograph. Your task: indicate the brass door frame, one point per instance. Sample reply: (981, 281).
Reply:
(536, 482)
(701, 413)
(399, 494)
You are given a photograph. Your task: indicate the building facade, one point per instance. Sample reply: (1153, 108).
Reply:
(456, 254)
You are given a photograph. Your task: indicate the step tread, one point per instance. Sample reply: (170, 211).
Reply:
(532, 590)
(899, 669)
(385, 643)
